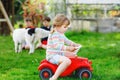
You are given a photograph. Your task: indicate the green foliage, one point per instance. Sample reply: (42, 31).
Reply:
(117, 7)
(56, 7)
(18, 7)
(86, 11)
(102, 49)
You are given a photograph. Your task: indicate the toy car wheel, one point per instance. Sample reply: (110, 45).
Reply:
(45, 74)
(85, 74)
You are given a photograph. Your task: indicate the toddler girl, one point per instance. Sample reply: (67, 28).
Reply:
(59, 47)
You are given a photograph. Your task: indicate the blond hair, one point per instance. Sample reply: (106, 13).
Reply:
(59, 20)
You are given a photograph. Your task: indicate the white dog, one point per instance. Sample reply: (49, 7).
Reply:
(19, 39)
(33, 35)
(30, 35)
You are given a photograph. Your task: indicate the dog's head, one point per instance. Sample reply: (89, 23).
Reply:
(41, 32)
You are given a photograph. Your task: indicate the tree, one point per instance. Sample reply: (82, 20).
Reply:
(4, 29)
(34, 9)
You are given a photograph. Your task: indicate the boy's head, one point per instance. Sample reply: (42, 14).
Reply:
(46, 21)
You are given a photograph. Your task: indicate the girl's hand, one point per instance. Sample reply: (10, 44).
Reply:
(71, 48)
(78, 45)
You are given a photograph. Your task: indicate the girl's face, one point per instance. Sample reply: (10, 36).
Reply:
(63, 28)
(28, 22)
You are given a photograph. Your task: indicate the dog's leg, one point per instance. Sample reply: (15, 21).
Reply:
(38, 44)
(33, 45)
(16, 47)
(20, 47)
(31, 49)
(33, 41)
(30, 45)
(28, 42)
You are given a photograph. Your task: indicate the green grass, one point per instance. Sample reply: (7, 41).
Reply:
(102, 49)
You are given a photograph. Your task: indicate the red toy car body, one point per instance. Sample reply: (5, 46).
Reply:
(81, 66)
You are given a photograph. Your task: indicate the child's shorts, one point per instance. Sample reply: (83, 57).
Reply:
(55, 59)
(44, 42)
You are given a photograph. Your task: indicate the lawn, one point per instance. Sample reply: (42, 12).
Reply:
(102, 49)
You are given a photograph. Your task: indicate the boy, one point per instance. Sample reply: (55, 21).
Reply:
(46, 26)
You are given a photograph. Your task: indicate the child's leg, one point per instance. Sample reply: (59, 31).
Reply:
(64, 62)
(44, 46)
(39, 45)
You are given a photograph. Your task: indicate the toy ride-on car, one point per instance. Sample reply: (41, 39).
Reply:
(80, 66)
